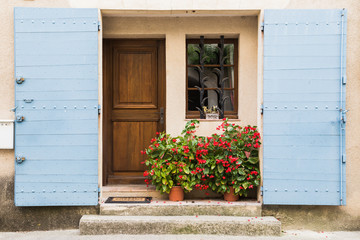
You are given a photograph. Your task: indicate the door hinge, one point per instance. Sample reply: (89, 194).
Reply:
(262, 109)
(261, 191)
(262, 26)
(99, 109)
(343, 158)
(99, 26)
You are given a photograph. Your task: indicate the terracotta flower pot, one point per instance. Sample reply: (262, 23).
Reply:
(176, 194)
(231, 197)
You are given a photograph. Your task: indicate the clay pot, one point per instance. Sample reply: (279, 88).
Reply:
(176, 194)
(231, 197)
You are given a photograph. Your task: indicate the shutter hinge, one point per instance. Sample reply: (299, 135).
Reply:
(261, 191)
(99, 109)
(344, 79)
(262, 109)
(262, 26)
(99, 192)
(343, 158)
(343, 118)
(99, 26)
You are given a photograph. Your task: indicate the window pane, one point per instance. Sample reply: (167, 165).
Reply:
(211, 53)
(192, 55)
(212, 81)
(212, 100)
(229, 51)
(229, 102)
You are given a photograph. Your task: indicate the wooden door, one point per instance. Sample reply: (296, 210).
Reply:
(134, 105)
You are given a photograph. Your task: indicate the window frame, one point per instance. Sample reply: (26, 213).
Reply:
(229, 114)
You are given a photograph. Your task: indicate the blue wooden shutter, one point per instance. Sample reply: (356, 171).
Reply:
(56, 94)
(304, 107)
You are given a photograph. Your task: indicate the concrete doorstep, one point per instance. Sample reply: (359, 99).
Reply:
(223, 225)
(184, 208)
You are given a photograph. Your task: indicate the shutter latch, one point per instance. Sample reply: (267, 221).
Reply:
(20, 80)
(19, 159)
(20, 118)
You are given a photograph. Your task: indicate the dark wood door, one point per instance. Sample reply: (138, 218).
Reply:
(134, 105)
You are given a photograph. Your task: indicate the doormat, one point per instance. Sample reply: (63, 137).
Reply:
(128, 200)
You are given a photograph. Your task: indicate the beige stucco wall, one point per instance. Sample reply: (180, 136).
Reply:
(176, 75)
(175, 31)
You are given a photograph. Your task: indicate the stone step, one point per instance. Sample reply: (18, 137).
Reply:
(224, 225)
(184, 208)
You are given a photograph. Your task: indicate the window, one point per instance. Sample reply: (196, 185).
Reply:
(211, 91)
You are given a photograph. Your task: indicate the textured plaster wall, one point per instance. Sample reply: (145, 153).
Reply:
(311, 217)
(175, 31)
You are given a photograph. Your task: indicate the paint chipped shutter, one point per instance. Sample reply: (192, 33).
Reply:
(304, 107)
(56, 95)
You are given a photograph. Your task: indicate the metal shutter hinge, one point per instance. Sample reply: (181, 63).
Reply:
(343, 158)
(99, 109)
(261, 191)
(262, 26)
(344, 79)
(99, 26)
(262, 108)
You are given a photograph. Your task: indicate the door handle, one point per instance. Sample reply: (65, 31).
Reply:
(162, 113)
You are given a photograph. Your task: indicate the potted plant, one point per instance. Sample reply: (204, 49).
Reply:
(170, 163)
(230, 160)
(211, 113)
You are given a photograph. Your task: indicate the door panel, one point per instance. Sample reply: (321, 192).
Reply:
(134, 98)
(135, 78)
(129, 139)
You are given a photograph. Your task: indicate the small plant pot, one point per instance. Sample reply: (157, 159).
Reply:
(176, 194)
(231, 197)
(212, 116)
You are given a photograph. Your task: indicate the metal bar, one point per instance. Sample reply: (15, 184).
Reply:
(341, 107)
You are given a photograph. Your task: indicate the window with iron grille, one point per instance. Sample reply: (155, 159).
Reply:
(212, 77)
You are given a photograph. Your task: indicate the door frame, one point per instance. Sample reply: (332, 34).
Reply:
(107, 96)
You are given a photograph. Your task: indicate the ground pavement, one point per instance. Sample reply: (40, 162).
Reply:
(74, 234)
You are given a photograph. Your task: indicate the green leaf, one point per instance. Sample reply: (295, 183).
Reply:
(241, 178)
(253, 160)
(213, 166)
(246, 185)
(241, 171)
(206, 170)
(220, 168)
(164, 181)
